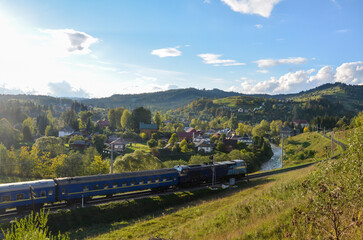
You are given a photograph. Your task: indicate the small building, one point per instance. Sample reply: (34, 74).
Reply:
(204, 146)
(286, 132)
(188, 136)
(119, 145)
(79, 145)
(103, 123)
(230, 144)
(246, 139)
(66, 131)
(303, 123)
(149, 129)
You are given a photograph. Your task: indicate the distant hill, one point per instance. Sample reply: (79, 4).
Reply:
(165, 100)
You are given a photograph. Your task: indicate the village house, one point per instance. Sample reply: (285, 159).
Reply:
(66, 131)
(149, 129)
(303, 123)
(103, 123)
(204, 146)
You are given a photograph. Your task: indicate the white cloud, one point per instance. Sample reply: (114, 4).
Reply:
(259, 7)
(350, 73)
(292, 82)
(264, 71)
(166, 52)
(343, 30)
(64, 89)
(210, 58)
(263, 63)
(70, 41)
(258, 26)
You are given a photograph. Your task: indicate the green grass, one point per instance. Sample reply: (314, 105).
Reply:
(307, 147)
(255, 210)
(138, 146)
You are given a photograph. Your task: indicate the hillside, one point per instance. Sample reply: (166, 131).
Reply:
(165, 100)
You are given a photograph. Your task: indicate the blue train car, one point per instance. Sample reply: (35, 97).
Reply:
(195, 174)
(73, 188)
(238, 168)
(18, 194)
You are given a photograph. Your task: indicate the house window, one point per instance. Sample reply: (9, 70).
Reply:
(50, 192)
(85, 188)
(43, 194)
(5, 198)
(124, 184)
(20, 196)
(115, 185)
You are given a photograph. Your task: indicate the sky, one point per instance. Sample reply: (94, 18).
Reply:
(74, 48)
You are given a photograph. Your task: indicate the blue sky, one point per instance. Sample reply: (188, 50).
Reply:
(99, 48)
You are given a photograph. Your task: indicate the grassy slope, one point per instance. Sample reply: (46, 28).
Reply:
(255, 212)
(305, 142)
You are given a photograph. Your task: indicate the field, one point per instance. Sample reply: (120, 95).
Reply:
(307, 147)
(137, 146)
(253, 210)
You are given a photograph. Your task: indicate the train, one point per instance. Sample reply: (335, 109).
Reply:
(34, 194)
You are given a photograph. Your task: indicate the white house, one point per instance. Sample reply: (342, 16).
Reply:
(66, 131)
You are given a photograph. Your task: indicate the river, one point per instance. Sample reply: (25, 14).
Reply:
(275, 161)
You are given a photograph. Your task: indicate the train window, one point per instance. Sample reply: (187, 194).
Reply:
(85, 188)
(149, 180)
(5, 198)
(157, 179)
(174, 178)
(20, 196)
(50, 192)
(115, 185)
(63, 191)
(142, 182)
(171, 178)
(124, 184)
(133, 183)
(105, 186)
(165, 179)
(43, 194)
(96, 186)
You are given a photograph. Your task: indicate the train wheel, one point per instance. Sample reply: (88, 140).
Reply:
(109, 195)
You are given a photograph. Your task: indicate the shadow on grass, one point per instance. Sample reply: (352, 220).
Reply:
(93, 221)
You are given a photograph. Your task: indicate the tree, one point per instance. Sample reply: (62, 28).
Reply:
(114, 116)
(126, 120)
(54, 146)
(8, 135)
(85, 117)
(136, 161)
(99, 141)
(42, 123)
(152, 143)
(51, 131)
(27, 135)
(140, 115)
(233, 122)
(70, 119)
(29, 122)
(157, 119)
(184, 146)
(173, 139)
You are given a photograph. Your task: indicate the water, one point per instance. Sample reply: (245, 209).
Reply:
(275, 161)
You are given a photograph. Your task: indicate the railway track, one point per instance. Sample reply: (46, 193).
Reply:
(12, 214)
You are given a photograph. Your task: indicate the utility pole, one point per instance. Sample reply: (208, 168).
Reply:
(112, 148)
(282, 151)
(332, 143)
(213, 171)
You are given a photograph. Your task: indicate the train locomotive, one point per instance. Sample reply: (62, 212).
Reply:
(34, 194)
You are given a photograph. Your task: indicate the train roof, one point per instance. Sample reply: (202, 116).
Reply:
(116, 176)
(17, 186)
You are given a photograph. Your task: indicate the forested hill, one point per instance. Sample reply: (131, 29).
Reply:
(165, 100)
